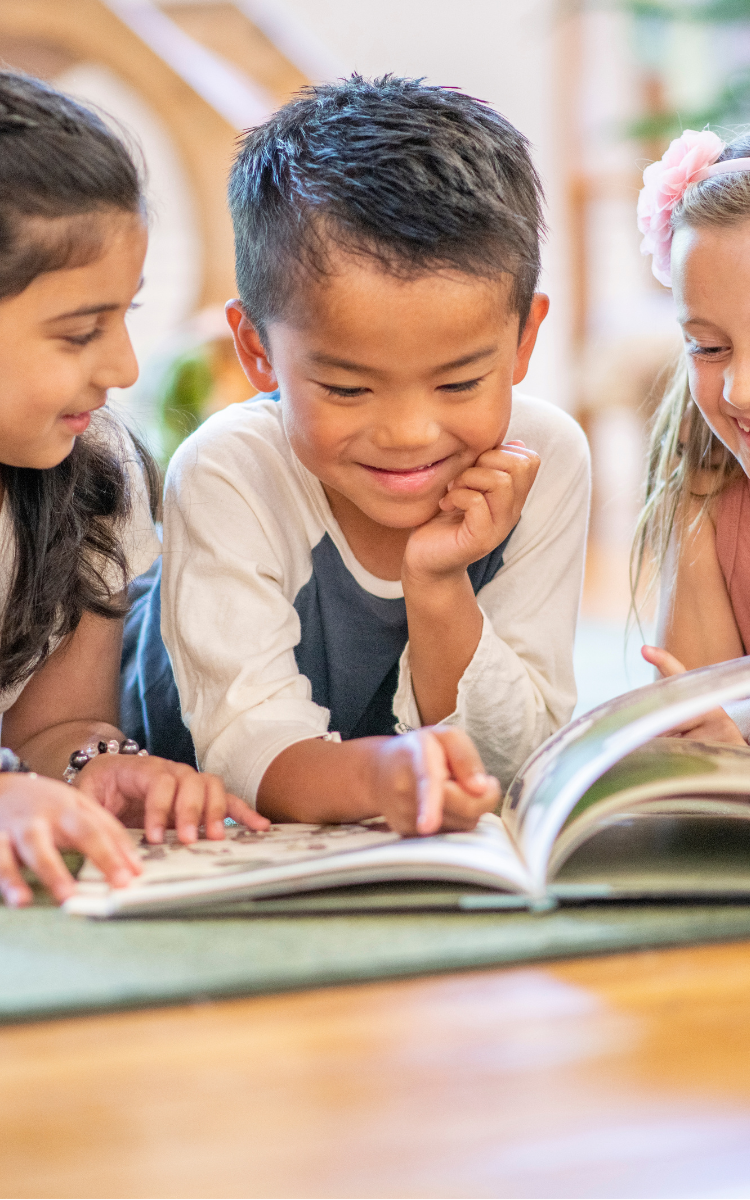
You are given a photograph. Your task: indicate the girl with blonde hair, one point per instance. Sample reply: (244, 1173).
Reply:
(694, 211)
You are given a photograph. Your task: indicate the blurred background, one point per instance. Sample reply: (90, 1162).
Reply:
(599, 88)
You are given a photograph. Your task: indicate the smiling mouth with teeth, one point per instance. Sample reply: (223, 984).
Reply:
(744, 426)
(403, 470)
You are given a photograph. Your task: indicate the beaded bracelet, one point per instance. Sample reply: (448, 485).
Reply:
(79, 758)
(10, 762)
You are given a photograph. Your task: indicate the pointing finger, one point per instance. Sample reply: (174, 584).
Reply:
(665, 663)
(430, 770)
(464, 761)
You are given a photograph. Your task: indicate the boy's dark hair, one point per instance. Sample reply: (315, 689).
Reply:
(420, 178)
(59, 160)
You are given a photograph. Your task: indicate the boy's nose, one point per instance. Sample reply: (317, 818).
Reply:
(406, 430)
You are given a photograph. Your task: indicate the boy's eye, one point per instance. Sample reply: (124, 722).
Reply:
(347, 393)
(466, 385)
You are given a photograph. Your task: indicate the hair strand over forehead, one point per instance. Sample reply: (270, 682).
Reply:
(419, 178)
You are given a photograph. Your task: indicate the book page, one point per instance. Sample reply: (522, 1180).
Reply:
(292, 858)
(661, 855)
(245, 850)
(675, 777)
(552, 781)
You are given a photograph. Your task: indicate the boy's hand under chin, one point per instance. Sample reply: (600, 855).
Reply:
(479, 510)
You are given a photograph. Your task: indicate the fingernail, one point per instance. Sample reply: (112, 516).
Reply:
(189, 833)
(156, 834)
(122, 877)
(480, 780)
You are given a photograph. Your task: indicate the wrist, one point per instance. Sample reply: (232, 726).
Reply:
(296, 786)
(434, 583)
(80, 759)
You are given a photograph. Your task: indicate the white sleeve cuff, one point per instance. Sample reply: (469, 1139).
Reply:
(262, 747)
(405, 708)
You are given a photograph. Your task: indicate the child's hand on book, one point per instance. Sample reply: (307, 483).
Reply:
(480, 508)
(432, 780)
(713, 726)
(39, 817)
(155, 794)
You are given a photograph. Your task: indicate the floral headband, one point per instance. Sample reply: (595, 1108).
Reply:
(689, 159)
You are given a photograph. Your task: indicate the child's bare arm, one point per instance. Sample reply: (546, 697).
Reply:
(71, 702)
(445, 621)
(696, 622)
(421, 782)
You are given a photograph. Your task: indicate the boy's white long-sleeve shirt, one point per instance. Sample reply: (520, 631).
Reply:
(258, 579)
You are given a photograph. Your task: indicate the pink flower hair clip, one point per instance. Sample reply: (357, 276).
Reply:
(689, 159)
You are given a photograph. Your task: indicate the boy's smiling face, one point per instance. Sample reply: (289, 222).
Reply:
(392, 387)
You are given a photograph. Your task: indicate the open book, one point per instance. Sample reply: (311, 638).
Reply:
(601, 810)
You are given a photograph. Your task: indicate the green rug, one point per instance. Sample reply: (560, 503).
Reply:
(52, 965)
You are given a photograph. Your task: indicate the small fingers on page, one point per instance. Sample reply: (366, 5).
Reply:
(14, 889)
(216, 806)
(38, 850)
(665, 663)
(192, 796)
(106, 842)
(239, 811)
(160, 798)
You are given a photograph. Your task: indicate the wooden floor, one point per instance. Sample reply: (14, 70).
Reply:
(620, 1076)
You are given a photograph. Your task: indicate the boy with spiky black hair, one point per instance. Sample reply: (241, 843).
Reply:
(386, 540)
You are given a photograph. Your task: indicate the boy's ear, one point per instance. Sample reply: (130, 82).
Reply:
(527, 341)
(251, 352)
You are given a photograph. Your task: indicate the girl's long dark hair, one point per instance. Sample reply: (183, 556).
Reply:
(57, 159)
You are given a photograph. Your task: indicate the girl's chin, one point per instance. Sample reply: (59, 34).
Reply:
(44, 459)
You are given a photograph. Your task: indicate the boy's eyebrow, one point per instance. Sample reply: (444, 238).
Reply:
(327, 360)
(466, 360)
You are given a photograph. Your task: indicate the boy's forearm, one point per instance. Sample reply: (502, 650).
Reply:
(319, 782)
(445, 625)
